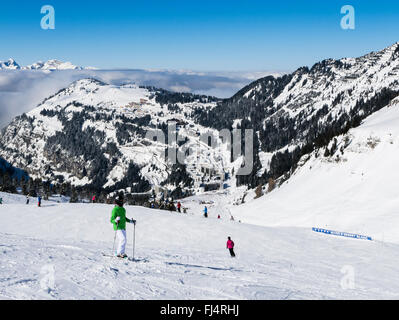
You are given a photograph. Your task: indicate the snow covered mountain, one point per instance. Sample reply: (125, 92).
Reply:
(94, 134)
(10, 64)
(50, 65)
(300, 112)
(326, 144)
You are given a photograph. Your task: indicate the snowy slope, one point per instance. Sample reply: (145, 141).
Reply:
(53, 252)
(353, 191)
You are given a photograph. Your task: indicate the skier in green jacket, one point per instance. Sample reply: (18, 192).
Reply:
(118, 219)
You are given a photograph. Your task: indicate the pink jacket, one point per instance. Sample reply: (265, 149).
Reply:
(230, 244)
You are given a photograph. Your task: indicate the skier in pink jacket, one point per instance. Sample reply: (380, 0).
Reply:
(230, 246)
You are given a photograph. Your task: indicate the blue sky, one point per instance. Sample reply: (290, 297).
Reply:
(198, 35)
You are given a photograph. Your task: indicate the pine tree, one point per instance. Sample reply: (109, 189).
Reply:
(272, 185)
(24, 186)
(74, 196)
(258, 192)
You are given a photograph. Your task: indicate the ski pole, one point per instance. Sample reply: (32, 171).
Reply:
(134, 239)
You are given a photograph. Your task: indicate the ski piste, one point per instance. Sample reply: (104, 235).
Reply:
(273, 262)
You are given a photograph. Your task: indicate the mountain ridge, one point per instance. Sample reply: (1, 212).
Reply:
(291, 115)
(49, 65)
(302, 109)
(103, 129)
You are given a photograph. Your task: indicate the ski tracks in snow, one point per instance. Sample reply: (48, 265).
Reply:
(36, 269)
(185, 260)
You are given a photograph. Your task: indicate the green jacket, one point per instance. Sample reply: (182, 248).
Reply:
(119, 212)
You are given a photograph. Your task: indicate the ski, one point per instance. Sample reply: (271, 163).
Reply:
(125, 259)
(112, 256)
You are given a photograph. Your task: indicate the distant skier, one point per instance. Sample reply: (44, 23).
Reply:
(39, 201)
(179, 206)
(206, 212)
(218, 216)
(230, 246)
(93, 200)
(1, 200)
(27, 199)
(118, 219)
